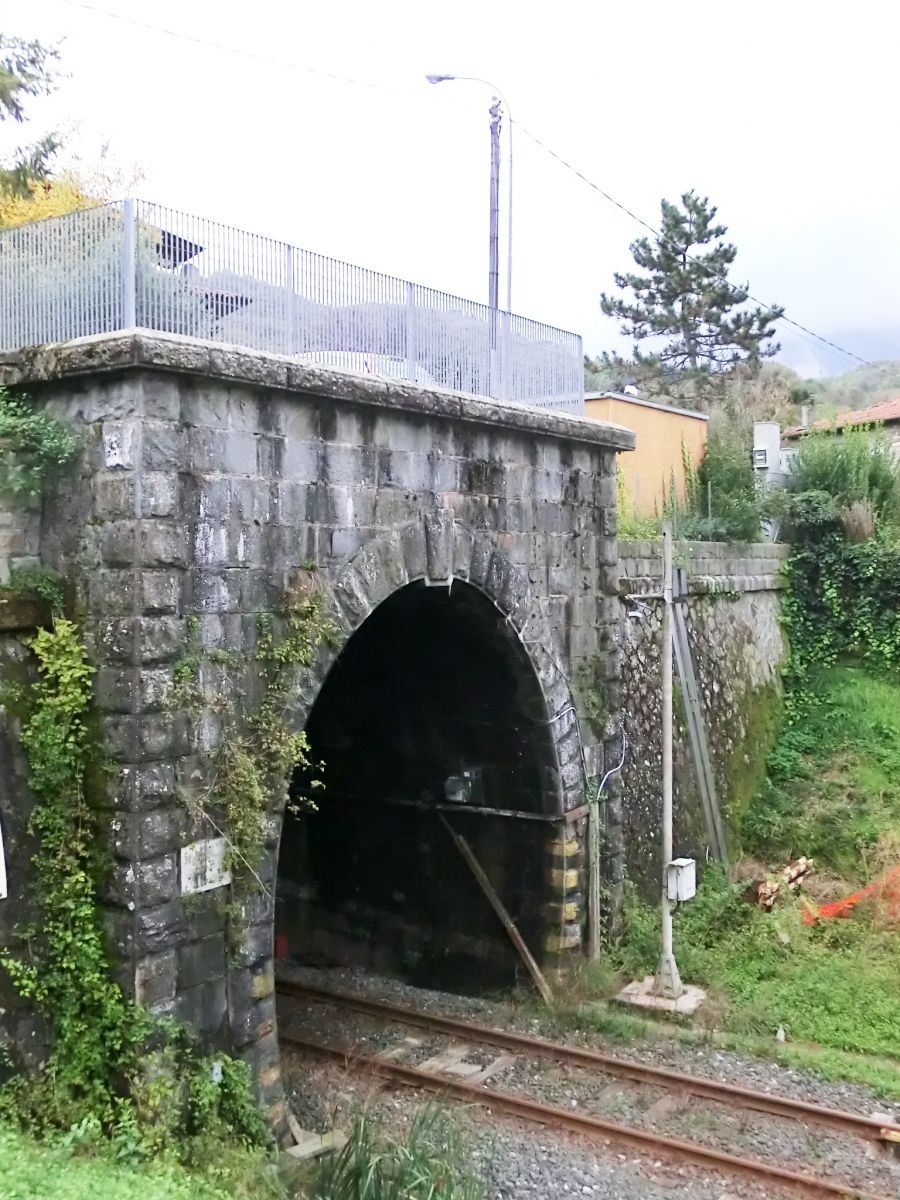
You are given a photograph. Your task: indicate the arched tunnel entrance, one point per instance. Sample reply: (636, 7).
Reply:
(431, 712)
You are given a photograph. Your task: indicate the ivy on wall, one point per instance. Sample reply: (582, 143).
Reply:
(249, 770)
(33, 446)
(111, 1067)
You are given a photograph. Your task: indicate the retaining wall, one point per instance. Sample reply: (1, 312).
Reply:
(738, 649)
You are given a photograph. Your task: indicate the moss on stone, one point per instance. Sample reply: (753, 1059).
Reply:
(743, 771)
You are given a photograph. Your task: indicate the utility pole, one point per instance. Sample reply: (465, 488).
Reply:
(494, 230)
(668, 981)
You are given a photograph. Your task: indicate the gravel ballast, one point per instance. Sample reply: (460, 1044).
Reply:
(520, 1163)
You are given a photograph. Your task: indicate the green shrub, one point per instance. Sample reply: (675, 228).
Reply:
(723, 501)
(431, 1162)
(856, 466)
(33, 446)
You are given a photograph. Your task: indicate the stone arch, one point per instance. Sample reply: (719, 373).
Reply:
(437, 549)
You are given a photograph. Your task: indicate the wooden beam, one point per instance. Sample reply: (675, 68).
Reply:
(500, 909)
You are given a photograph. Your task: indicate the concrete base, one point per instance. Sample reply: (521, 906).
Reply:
(640, 994)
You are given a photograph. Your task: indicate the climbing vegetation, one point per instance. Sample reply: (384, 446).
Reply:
(98, 1075)
(33, 446)
(255, 752)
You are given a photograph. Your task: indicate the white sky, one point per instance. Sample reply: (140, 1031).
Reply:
(785, 115)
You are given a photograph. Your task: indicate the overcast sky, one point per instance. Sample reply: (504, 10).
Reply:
(785, 115)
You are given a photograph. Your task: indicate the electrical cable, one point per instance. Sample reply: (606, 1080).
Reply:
(335, 77)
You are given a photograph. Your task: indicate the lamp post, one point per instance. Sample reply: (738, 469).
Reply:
(493, 274)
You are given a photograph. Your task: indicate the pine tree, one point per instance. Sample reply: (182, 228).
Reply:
(26, 71)
(684, 296)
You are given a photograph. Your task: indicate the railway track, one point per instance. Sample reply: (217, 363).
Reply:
(435, 1078)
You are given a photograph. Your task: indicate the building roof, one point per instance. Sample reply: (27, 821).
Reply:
(884, 413)
(642, 403)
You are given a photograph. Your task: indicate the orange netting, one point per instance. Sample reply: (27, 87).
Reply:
(887, 889)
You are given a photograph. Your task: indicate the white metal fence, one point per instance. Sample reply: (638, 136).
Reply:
(136, 264)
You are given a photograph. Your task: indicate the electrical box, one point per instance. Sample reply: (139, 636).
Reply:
(681, 879)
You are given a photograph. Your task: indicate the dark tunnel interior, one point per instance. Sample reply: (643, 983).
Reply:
(432, 701)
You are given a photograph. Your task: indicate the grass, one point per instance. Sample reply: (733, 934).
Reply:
(833, 793)
(431, 1162)
(833, 790)
(69, 1169)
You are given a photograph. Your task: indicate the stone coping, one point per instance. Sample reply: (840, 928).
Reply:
(111, 352)
(704, 585)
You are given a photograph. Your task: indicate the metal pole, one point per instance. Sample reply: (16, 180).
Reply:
(494, 228)
(668, 981)
(509, 200)
(594, 879)
(509, 207)
(129, 266)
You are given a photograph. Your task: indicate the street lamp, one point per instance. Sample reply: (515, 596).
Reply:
(495, 170)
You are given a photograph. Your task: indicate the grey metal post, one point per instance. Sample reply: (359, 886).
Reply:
(494, 229)
(290, 298)
(594, 838)
(129, 265)
(668, 981)
(411, 346)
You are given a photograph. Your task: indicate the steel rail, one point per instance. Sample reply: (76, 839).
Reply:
(709, 1089)
(581, 1123)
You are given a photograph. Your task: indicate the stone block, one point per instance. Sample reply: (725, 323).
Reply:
(155, 687)
(438, 525)
(121, 738)
(143, 884)
(155, 979)
(116, 689)
(251, 501)
(114, 495)
(111, 593)
(239, 453)
(162, 735)
(348, 466)
(159, 638)
(159, 494)
(203, 1008)
(120, 445)
(145, 835)
(251, 1022)
(201, 961)
(164, 446)
(414, 554)
(163, 544)
(118, 544)
(568, 937)
(160, 591)
(209, 498)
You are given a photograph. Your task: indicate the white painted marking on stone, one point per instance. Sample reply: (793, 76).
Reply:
(203, 866)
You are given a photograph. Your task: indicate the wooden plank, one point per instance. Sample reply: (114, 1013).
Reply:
(500, 909)
(697, 736)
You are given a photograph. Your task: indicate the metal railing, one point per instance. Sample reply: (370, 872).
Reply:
(139, 265)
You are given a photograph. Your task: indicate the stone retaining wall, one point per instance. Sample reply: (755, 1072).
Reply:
(738, 648)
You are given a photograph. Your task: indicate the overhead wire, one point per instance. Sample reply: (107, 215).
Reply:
(270, 60)
(657, 233)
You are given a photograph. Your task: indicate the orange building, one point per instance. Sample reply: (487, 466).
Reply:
(664, 437)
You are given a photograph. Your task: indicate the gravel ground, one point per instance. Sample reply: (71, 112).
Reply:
(517, 1161)
(816, 1150)
(709, 1061)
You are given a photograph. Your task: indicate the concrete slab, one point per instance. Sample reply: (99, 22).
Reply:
(315, 1144)
(640, 995)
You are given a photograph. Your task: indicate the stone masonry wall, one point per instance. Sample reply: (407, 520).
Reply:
(738, 647)
(208, 476)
